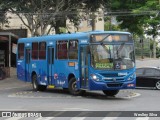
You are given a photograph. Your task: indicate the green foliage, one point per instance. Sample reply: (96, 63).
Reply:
(152, 22)
(62, 30)
(124, 12)
(3, 18)
(108, 26)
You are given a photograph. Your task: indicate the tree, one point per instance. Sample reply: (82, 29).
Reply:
(3, 18)
(109, 26)
(152, 23)
(124, 10)
(139, 16)
(42, 15)
(37, 15)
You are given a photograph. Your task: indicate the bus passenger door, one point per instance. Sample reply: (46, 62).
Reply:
(50, 65)
(84, 67)
(27, 64)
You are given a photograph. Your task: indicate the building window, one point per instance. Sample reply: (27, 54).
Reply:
(42, 50)
(21, 51)
(73, 49)
(35, 50)
(62, 47)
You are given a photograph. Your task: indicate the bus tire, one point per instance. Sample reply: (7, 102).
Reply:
(35, 84)
(110, 92)
(73, 88)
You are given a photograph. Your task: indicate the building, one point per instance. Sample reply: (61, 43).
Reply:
(86, 24)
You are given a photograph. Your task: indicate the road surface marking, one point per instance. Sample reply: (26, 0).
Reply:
(142, 118)
(13, 109)
(78, 118)
(14, 118)
(31, 94)
(110, 118)
(76, 109)
(45, 118)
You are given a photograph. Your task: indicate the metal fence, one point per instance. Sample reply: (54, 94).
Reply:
(142, 48)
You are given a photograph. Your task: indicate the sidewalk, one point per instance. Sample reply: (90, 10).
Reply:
(147, 62)
(7, 72)
(12, 81)
(145, 59)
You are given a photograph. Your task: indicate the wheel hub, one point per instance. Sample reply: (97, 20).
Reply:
(158, 85)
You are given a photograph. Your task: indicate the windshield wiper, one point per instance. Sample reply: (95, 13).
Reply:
(107, 50)
(121, 46)
(105, 38)
(119, 49)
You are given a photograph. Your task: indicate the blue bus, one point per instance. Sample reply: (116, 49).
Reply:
(95, 60)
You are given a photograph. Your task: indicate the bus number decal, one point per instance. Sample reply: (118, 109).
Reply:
(60, 82)
(104, 65)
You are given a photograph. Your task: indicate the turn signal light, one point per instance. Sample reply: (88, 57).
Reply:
(130, 85)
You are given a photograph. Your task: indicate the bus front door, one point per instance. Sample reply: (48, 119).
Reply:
(84, 67)
(50, 65)
(27, 64)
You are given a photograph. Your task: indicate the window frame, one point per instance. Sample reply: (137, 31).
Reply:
(67, 50)
(143, 70)
(149, 75)
(41, 51)
(35, 51)
(73, 50)
(21, 51)
(60, 51)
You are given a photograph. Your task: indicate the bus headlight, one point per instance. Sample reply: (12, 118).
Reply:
(131, 77)
(94, 77)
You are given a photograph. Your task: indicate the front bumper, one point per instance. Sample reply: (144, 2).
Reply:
(98, 85)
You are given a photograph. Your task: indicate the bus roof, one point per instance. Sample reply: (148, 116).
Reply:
(81, 35)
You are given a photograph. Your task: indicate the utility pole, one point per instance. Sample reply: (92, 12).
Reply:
(142, 46)
(154, 47)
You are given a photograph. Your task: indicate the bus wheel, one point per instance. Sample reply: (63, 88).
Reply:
(35, 84)
(110, 92)
(73, 87)
(158, 85)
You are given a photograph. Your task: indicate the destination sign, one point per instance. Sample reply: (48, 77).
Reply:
(110, 37)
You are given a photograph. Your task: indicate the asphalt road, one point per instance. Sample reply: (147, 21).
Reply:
(16, 95)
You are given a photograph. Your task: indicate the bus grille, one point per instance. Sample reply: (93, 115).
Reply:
(112, 79)
(114, 85)
(109, 74)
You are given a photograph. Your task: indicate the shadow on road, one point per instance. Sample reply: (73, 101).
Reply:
(87, 94)
(146, 88)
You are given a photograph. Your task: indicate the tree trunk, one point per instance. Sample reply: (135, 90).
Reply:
(57, 30)
(93, 21)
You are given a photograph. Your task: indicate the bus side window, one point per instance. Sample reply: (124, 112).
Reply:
(35, 50)
(73, 49)
(62, 52)
(42, 50)
(21, 51)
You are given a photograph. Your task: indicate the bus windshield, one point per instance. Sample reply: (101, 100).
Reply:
(107, 56)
